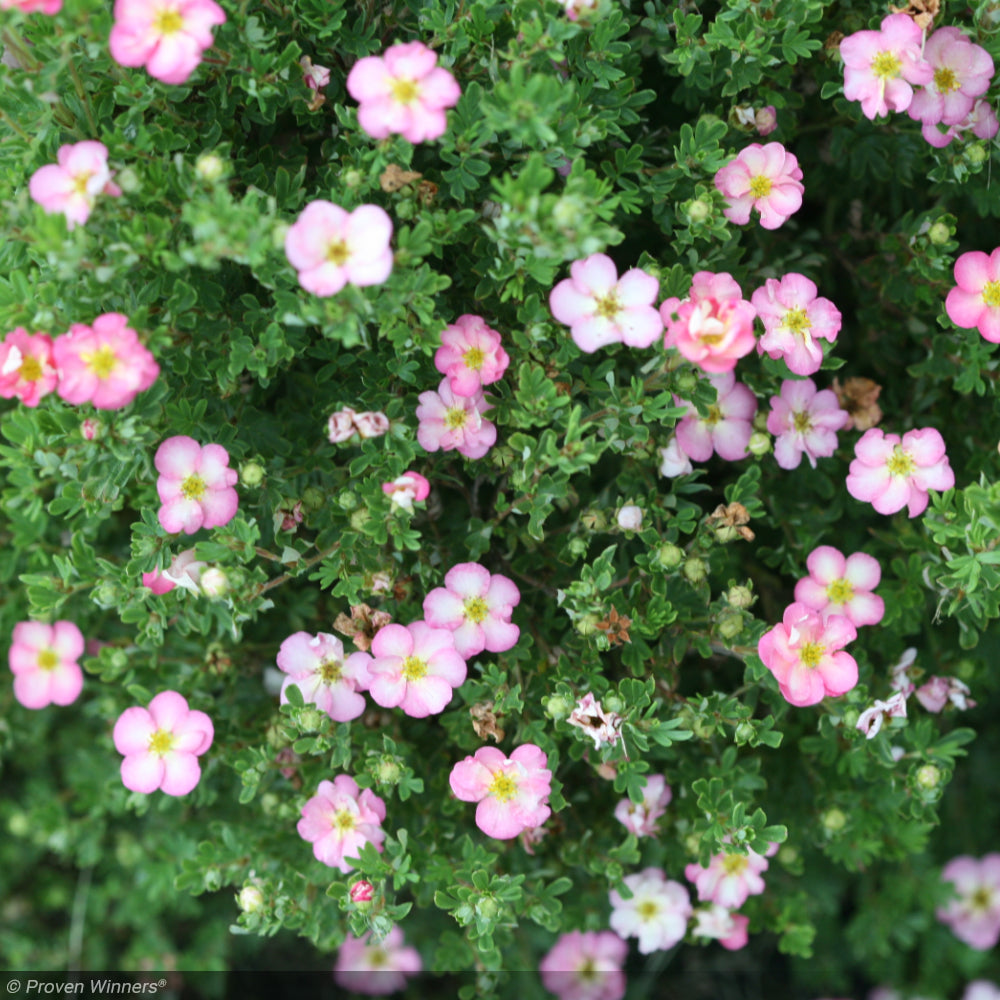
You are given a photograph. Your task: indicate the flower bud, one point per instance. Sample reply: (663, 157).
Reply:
(578, 547)
(210, 167)
(833, 820)
(692, 845)
(128, 180)
(729, 625)
(695, 569)
(766, 120)
(90, 429)
(278, 233)
(612, 703)
(360, 518)
(759, 443)
(362, 893)
(939, 234)
(685, 383)
(669, 556)
(744, 732)
(487, 908)
(250, 899)
(251, 474)
(214, 582)
(630, 518)
(352, 178)
(310, 719)
(557, 707)
(348, 500)
(387, 771)
(975, 154)
(313, 498)
(739, 596)
(587, 624)
(928, 777)
(698, 210)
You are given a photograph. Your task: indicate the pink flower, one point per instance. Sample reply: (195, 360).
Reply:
(414, 668)
(600, 308)
(713, 326)
(871, 719)
(345, 424)
(640, 818)
(793, 317)
(168, 37)
(600, 726)
(981, 989)
(470, 355)
(962, 72)
(72, 185)
(407, 489)
(728, 426)
(981, 121)
(315, 664)
(765, 120)
(892, 474)
(938, 691)
(580, 10)
(27, 368)
(340, 819)
(374, 968)
(331, 247)
(476, 606)
(585, 965)
(720, 924)
(162, 744)
(673, 460)
(805, 655)
(316, 77)
(404, 92)
(974, 302)
(184, 571)
(104, 364)
(512, 792)
(195, 485)
(880, 66)
(974, 916)
(33, 6)
(899, 673)
(455, 423)
(839, 586)
(89, 429)
(657, 914)
(371, 423)
(43, 661)
(765, 178)
(729, 878)
(804, 421)
(362, 892)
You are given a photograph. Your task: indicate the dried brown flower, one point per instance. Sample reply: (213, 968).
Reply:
(394, 177)
(362, 626)
(858, 397)
(484, 721)
(616, 626)
(730, 521)
(923, 12)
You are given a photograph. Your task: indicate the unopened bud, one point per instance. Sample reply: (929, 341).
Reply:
(362, 893)
(127, 180)
(210, 167)
(685, 383)
(278, 233)
(310, 719)
(250, 899)
(833, 820)
(353, 178)
(487, 908)
(214, 582)
(730, 625)
(388, 771)
(360, 518)
(928, 777)
(251, 474)
(630, 518)
(975, 154)
(739, 597)
(744, 732)
(557, 707)
(90, 429)
(695, 569)
(939, 234)
(759, 443)
(669, 556)
(313, 498)
(587, 624)
(698, 210)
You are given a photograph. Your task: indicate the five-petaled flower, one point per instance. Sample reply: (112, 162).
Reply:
(376, 967)
(962, 72)
(585, 965)
(195, 485)
(726, 429)
(512, 792)
(470, 355)
(27, 367)
(331, 247)
(805, 654)
(403, 92)
(162, 744)
(892, 474)
(729, 878)
(804, 421)
(450, 422)
(168, 37)
(43, 661)
(839, 586)
(974, 915)
(72, 185)
(765, 178)
(316, 665)
(476, 606)
(657, 913)
(974, 302)
(722, 925)
(406, 490)
(340, 819)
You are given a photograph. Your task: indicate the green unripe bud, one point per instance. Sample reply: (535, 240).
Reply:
(669, 556)
(557, 707)
(939, 234)
(703, 729)
(578, 547)
(692, 845)
(730, 625)
(128, 180)
(965, 670)
(387, 771)
(833, 820)
(105, 594)
(685, 383)
(353, 178)
(313, 498)
(928, 777)
(274, 737)
(698, 210)
(850, 718)
(213, 880)
(739, 596)
(210, 167)
(788, 855)
(251, 474)
(487, 908)
(18, 824)
(278, 234)
(695, 569)
(759, 443)
(360, 518)
(975, 154)
(269, 803)
(744, 732)
(250, 899)
(348, 500)
(405, 210)
(310, 719)
(587, 624)
(612, 703)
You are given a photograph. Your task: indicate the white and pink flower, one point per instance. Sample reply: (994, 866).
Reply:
(729, 878)
(657, 912)
(340, 819)
(726, 429)
(722, 925)
(27, 367)
(937, 692)
(766, 179)
(640, 818)
(974, 914)
(470, 355)
(805, 654)
(184, 571)
(893, 473)
(585, 965)
(406, 490)
(590, 717)
(195, 485)
(794, 318)
(330, 247)
(804, 422)
(449, 422)
(168, 37)
(71, 185)
(161, 745)
(839, 586)
(376, 967)
(476, 606)
(674, 462)
(974, 302)
(981, 122)
(414, 667)
(43, 659)
(403, 92)
(601, 309)
(316, 665)
(871, 719)
(962, 72)
(512, 792)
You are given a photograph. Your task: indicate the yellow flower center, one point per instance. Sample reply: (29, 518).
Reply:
(405, 91)
(811, 653)
(886, 65)
(735, 864)
(80, 182)
(647, 910)
(454, 418)
(377, 957)
(608, 305)
(760, 186)
(476, 609)
(167, 22)
(330, 671)
(48, 659)
(801, 421)
(586, 971)
(503, 788)
(797, 321)
(101, 362)
(945, 80)
(31, 368)
(343, 820)
(414, 668)
(981, 899)
(991, 293)
(900, 464)
(337, 253)
(474, 358)
(193, 487)
(840, 591)
(714, 415)
(161, 742)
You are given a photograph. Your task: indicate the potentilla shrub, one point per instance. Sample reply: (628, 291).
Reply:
(502, 488)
